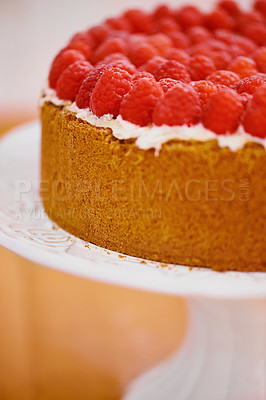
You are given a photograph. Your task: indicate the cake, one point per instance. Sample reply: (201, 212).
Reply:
(154, 136)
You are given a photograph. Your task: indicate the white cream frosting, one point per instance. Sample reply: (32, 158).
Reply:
(152, 137)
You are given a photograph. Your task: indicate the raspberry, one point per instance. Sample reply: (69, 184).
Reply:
(82, 42)
(138, 104)
(99, 33)
(71, 79)
(113, 57)
(189, 16)
(160, 42)
(109, 46)
(109, 91)
(140, 75)
(205, 90)
(162, 11)
(165, 25)
(219, 19)
(255, 116)
(167, 84)
(243, 67)
(119, 24)
(125, 65)
(174, 70)
(139, 20)
(246, 44)
(260, 59)
(179, 106)
(221, 59)
(260, 6)
(245, 98)
(250, 84)
(178, 55)
(229, 6)
(141, 52)
(180, 40)
(223, 112)
(255, 32)
(198, 34)
(152, 65)
(200, 67)
(227, 78)
(63, 60)
(84, 95)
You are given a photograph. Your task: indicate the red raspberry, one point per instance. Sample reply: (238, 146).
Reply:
(139, 20)
(255, 32)
(160, 42)
(223, 112)
(243, 67)
(230, 6)
(109, 91)
(84, 95)
(221, 59)
(246, 44)
(205, 90)
(167, 84)
(162, 11)
(125, 65)
(119, 24)
(246, 98)
(113, 57)
(260, 6)
(82, 42)
(174, 70)
(178, 55)
(198, 34)
(179, 106)
(180, 40)
(61, 62)
(189, 16)
(250, 84)
(255, 116)
(71, 79)
(219, 19)
(142, 74)
(200, 67)
(109, 46)
(260, 59)
(152, 65)
(227, 78)
(99, 33)
(165, 25)
(141, 52)
(138, 104)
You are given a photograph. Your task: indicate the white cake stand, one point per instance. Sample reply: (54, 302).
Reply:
(224, 354)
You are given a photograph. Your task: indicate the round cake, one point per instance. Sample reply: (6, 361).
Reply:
(153, 136)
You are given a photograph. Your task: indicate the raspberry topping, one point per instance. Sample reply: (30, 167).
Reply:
(109, 91)
(174, 70)
(223, 112)
(179, 106)
(255, 116)
(61, 62)
(227, 78)
(143, 97)
(71, 79)
(171, 66)
(84, 95)
(199, 67)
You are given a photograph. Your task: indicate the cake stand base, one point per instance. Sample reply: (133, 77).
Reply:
(223, 357)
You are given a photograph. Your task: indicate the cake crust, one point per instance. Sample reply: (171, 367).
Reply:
(194, 204)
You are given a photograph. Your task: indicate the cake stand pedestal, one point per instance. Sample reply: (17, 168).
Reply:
(224, 354)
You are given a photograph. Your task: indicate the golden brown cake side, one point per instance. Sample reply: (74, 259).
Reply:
(195, 204)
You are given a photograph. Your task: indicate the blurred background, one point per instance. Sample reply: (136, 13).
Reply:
(62, 337)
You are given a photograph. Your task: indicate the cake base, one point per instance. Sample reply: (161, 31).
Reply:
(195, 204)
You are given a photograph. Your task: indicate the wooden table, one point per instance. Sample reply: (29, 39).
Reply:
(67, 338)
